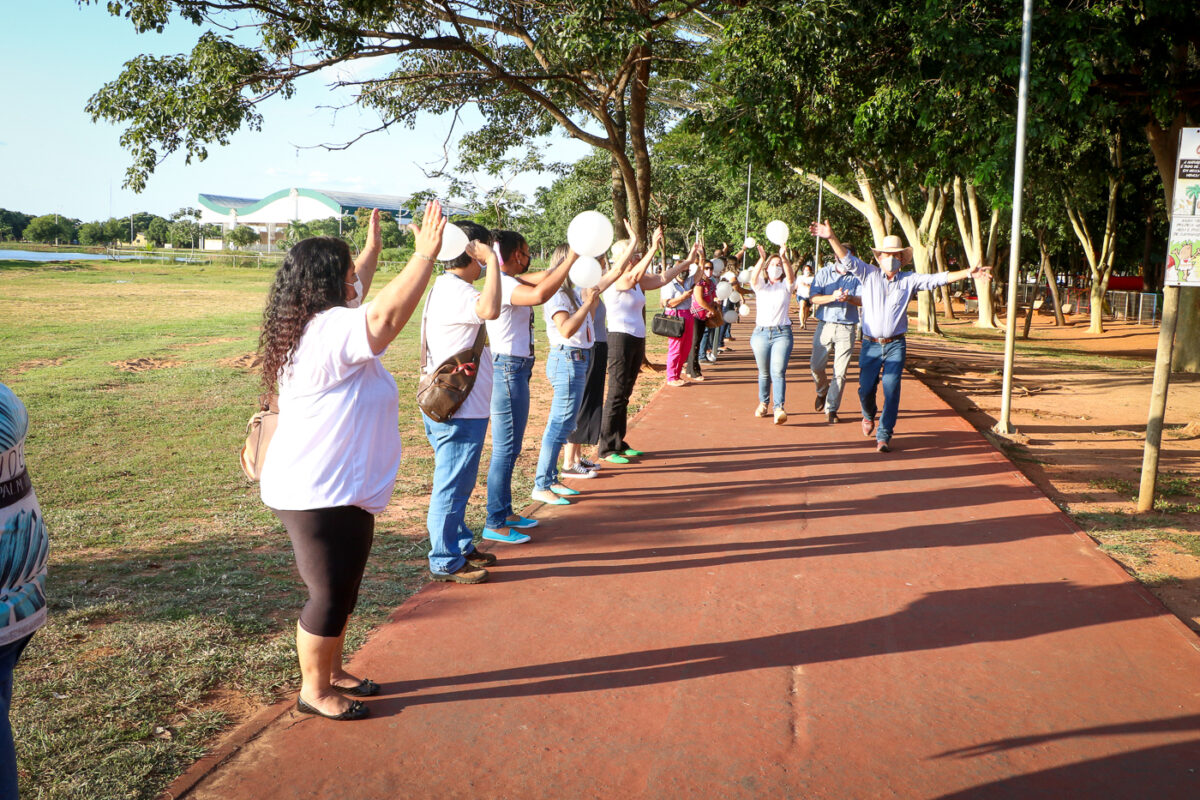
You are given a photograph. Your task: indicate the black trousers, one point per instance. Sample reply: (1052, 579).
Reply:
(625, 354)
(331, 546)
(591, 408)
(692, 366)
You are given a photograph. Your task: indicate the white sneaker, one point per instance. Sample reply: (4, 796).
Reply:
(710, 358)
(761, 411)
(780, 416)
(577, 471)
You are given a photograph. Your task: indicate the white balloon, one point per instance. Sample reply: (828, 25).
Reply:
(585, 272)
(777, 231)
(744, 276)
(724, 289)
(731, 316)
(454, 243)
(590, 233)
(744, 310)
(749, 242)
(735, 297)
(718, 264)
(693, 269)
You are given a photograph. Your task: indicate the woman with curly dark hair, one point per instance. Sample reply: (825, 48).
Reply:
(332, 463)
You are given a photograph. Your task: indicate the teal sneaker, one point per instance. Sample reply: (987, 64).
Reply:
(522, 522)
(565, 491)
(512, 537)
(616, 459)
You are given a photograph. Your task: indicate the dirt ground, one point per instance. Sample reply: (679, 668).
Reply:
(1081, 422)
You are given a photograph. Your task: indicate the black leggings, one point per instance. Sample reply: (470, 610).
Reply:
(331, 546)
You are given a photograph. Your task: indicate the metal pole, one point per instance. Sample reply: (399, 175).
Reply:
(817, 239)
(1158, 399)
(1004, 424)
(746, 226)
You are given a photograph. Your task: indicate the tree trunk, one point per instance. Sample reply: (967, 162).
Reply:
(1051, 279)
(966, 211)
(620, 210)
(939, 252)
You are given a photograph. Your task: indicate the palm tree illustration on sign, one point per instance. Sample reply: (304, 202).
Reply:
(1193, 193)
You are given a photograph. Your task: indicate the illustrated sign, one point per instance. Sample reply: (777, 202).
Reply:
(1183, 245)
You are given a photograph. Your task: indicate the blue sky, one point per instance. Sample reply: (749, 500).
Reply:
(55, 54)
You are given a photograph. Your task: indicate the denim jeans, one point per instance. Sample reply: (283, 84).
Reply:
(457, 445)
(510, 413)
(9, 653)
(566, 368)
(836, 339)
(708, 341)
(772, 348)
(886, 361)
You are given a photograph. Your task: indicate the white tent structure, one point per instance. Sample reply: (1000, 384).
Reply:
(272, 214)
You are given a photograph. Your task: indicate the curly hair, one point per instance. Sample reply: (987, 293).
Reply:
(311, 279)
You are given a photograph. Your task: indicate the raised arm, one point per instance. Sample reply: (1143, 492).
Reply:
(569, 324)
(611, 276)
(391, 310)
(759, 268)
(546, 284)
(488, 304)
(652, 282)
(789, 270)
(368, 258)
(823, 230)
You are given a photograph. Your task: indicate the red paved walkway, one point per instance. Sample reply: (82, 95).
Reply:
(761, 611)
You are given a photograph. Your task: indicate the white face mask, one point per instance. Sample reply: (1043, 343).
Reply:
(774, 272)
(840, 268)
(889, 263)
(358, 294)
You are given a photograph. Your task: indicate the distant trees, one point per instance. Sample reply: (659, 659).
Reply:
(50, 228)
(242, 236)
(12, 223)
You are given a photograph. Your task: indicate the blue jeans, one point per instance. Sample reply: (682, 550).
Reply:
(875, 362)
(510, 413)
(457, 445)
(567, 370)
(9, 653)
(772, 348)
(708, 341)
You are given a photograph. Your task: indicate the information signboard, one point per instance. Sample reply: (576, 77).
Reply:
(1183, 245)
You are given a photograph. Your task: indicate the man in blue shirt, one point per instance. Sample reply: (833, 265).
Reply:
(835, 295)
(885, 293)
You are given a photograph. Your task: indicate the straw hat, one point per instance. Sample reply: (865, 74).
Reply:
(895, 246)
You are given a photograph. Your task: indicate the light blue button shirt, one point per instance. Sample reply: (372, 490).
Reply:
(828, 281)
(884, 301)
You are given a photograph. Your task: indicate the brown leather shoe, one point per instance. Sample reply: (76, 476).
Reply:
(831, 418)
(868, 426)
(464, 574)
(478, 558)
(819, 403)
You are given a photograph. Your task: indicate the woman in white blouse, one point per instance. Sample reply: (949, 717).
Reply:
(570, 327)
(625, 301)
(773, 281)
(332, 463)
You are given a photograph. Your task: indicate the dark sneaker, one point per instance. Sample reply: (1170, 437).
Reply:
(478, 558)
(882, 446)
(467, 573)
(819, 403)
(831, 418)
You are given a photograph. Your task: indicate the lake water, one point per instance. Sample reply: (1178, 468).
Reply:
(32, 255)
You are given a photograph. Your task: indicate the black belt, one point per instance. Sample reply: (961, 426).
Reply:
(15, 488)
(885, 340)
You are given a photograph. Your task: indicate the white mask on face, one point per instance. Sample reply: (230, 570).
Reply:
(840, 268)
(774, 272)
(358, 294)
(889, 263)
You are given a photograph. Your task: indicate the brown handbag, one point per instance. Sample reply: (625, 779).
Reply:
(259, 431)
(442, 392)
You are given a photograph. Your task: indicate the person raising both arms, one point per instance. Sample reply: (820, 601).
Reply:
(773, 280)
(332, 463)
(885, 293)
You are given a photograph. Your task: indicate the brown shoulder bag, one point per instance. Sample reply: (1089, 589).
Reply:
(442, 392)
(259, 431)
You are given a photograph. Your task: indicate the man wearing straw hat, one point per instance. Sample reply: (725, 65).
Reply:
(885, 292)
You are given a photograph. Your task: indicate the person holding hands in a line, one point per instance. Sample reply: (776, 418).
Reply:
(885, 292)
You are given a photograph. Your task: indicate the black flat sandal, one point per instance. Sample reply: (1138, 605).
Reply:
(366, 688)
(357, 710)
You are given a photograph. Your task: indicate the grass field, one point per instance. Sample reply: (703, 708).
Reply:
(172, 590)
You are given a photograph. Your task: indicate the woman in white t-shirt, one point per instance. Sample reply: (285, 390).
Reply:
(454, 312)
(332, 462)
(570, 327)
(510, 337)
(625, 302)
(773, 280)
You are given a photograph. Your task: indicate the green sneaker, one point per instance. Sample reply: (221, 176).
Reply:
(616, 459)
(632, 452)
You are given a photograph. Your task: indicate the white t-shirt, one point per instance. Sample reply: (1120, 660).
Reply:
(675, 289)
(450, 327)
(600, 323)
(772, 303)
(625, 310)
(511, 333)
(585, 337)
(804, 285)
(338, 439)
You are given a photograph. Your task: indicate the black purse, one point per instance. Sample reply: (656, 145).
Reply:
(663, 325)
